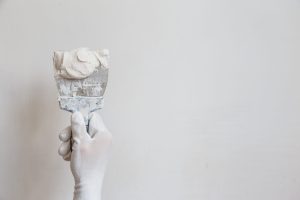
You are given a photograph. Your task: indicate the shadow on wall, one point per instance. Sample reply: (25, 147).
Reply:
(37, 137)
(32, 110)
(1, 3)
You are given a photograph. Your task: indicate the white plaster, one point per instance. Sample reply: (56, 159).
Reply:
(79, 63)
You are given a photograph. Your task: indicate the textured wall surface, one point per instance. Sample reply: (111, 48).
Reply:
(203, 97)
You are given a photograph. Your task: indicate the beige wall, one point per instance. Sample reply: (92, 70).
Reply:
(203, 98)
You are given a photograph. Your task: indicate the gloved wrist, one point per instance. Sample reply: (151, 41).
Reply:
(87, 191)
(89, 187)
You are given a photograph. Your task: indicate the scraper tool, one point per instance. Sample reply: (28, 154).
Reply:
(83, 94)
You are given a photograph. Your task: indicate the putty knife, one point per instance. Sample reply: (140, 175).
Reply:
(84, 95)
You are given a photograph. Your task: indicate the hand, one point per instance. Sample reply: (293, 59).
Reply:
(88, 153)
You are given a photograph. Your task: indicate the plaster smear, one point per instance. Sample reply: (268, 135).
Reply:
(79, 63)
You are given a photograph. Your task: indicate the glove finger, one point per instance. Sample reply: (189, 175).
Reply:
(68, 156)
(65, 134)
(78, 126)
(64, 148)
(75, 144)
(96, 125)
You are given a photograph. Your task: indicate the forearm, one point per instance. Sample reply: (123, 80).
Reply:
(87, 191)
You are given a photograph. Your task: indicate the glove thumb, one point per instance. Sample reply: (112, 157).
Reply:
(96, 125)
(78, 126)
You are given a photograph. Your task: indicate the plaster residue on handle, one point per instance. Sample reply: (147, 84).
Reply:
(79, 63)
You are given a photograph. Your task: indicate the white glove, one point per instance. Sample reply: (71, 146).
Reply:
(88, 152)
